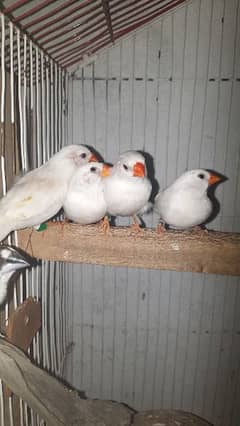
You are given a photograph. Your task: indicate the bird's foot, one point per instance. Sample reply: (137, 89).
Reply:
(57, 223)
(135, 228)
(160, 228)
(104, 226)
(64, 221)
(200, 230)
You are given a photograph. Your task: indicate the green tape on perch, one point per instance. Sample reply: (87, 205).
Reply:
(42, 227)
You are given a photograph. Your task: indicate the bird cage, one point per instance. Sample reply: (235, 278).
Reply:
(146, 320)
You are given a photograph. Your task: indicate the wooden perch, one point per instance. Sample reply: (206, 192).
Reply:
(215, 252)
(50, 399)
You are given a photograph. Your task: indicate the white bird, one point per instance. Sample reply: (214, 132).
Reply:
(185, 203)
(40, 194)
(11, 260)
(127, 189)
(85, 203)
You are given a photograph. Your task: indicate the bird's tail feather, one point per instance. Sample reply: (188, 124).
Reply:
(146, 209)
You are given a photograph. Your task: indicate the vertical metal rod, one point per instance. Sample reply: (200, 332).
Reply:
(39, 157)
(24, 102)
(2, 416)
(20, 98)
(47, 113)
(21, 412)
(11, 73)
(31, 74)
(26, 164)
(52, 117)
(60, 107)
(56, 135)
(43, 109)
(3, 77)
(38, 162)
(3, 96)
(12, 96)
(10, 406)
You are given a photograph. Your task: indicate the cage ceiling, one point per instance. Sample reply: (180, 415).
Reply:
(71, 30)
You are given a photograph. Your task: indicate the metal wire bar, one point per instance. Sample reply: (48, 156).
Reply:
(122, 31)
(3, 82)
(29, 12)
(2, 406)
(61, 46)
(52, 12)
(51, 108)
(106, 10)
(40, 99)
(10, 409)
(68, 22)
(11, 74)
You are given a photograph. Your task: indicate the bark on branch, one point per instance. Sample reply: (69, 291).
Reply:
(215, 252)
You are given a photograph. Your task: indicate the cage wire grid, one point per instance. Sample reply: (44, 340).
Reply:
(37, 88)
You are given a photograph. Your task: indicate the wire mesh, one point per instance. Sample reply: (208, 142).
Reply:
(36, 87)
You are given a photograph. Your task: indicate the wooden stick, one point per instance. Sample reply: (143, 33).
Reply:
(53, 402)
(213, 252)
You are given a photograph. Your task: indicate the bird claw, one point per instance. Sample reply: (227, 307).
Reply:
(160, 228)
(136, 228)
(105, 226)
(58, 223)
(200, 230)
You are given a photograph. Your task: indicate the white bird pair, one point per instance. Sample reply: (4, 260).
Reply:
(122, 190)
(40, 194)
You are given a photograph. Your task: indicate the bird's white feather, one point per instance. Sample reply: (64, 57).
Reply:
(126, 194)
(185, 203)
(85, 203)
(39, 195)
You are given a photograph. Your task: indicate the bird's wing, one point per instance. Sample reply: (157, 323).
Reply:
(147, 208)
(30, 196)
(157, 198)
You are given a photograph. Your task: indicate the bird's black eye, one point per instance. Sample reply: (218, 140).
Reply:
(93, 169)
(125, 167)
(83, 155)
(201, 176)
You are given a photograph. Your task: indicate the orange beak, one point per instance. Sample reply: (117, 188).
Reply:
(105, 170)
(213, 179)
(93, 158)
(139, 170)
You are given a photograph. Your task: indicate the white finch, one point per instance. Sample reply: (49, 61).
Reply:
(127, 189)
(40, 194)
(185, 203)
(11, 260)
(85, 203)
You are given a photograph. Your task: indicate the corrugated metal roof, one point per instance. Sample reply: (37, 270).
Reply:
(70, 30)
